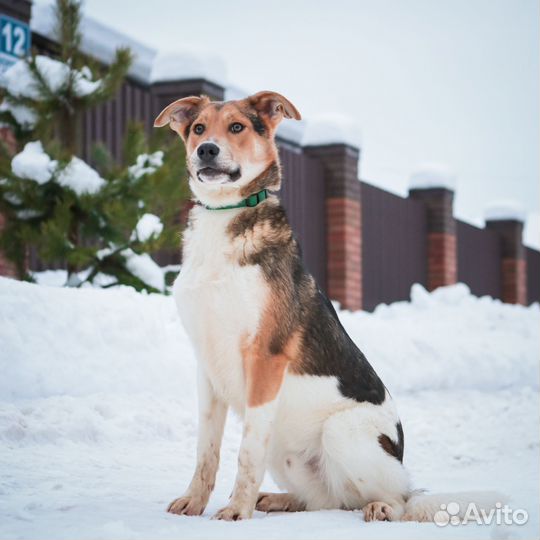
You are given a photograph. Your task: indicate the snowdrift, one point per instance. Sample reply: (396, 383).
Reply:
(98, 410)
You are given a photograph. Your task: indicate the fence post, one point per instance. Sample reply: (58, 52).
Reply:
(432, 187)
(509, 229)
(343, 222)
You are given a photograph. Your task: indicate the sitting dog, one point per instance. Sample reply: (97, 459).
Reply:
(268, 342)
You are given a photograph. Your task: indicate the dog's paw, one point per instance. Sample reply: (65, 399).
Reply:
(377, 511)
(232, 513)
(187, 506)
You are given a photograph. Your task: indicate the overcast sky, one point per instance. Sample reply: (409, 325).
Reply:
(448, 81)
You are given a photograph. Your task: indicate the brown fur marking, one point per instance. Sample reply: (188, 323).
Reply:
(389, 446)
(264, 370)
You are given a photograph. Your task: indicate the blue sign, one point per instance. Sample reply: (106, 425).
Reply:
(15, 38)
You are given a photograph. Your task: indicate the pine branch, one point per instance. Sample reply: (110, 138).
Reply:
(68, 21)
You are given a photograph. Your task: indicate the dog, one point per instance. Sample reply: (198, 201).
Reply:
(269, 343)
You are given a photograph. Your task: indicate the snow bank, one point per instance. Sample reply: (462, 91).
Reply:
(504, 210)
(33, 163)
(492, 345)
(80, 177)
(149, 225)
(79, 342)
(432, 175)
(98, 421)
(90, 341)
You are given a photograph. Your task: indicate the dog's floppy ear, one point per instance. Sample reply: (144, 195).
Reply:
(180, 113)
(273, 106)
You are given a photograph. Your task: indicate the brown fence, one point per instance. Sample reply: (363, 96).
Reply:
(479, 260)
(302, 194)
(393, 246)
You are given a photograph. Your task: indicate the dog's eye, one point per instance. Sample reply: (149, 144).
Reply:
(236, 127)
(198, 129)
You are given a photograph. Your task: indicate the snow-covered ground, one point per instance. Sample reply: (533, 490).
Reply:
(98, 422)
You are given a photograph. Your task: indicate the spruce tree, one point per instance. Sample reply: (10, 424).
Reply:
(96, 221)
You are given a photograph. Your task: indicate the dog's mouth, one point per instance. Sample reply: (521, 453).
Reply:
(217, 176)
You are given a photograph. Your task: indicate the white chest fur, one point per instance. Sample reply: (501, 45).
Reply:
(219, 301)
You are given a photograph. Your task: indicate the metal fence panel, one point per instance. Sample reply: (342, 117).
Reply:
(394, 251)
(479, 259)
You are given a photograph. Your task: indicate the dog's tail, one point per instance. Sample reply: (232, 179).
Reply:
(444, 508)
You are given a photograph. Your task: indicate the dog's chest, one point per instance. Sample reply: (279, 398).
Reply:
(220, 302)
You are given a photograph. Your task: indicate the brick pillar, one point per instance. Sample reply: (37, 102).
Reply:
(513, 259)
(343, 222)
(441, 235)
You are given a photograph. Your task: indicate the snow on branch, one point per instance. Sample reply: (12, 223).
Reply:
(34, 164)
(149, 226)
(21, 82)
(80, 177)
(146, 164)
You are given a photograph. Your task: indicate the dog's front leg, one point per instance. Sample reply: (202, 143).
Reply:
(212, 415)
(251, 462)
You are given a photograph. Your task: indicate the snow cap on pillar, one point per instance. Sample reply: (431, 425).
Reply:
(330, 129)
(508, 210)
(433, 176)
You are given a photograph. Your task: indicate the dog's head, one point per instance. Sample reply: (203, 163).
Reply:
(229, 145)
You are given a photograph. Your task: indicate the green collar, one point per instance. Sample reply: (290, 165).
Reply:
(250, 202)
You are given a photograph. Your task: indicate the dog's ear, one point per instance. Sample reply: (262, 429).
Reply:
(180, 113)
(273, 106)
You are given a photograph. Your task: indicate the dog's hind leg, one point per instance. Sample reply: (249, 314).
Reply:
(279, 502)
(360, 444)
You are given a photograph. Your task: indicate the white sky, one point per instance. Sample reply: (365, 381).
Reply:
(451, 81)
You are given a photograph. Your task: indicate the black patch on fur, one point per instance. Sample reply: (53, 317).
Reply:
(326, 348)
(330, 351)
(392, 448)
(257, 123)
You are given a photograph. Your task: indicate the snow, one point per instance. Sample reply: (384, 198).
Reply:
(145, 268)
(80, 177)
(432, 175)
(176, 65)
(148, 226)
(146, 164)
(98, 40)
(504, 210)
(20, 81)
(149, 65)
(33, 163)
(531, 231)
(55, 73)
(98, 419)
(327, 129)
(25, 117)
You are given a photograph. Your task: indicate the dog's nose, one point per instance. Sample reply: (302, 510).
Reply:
(207, 151)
